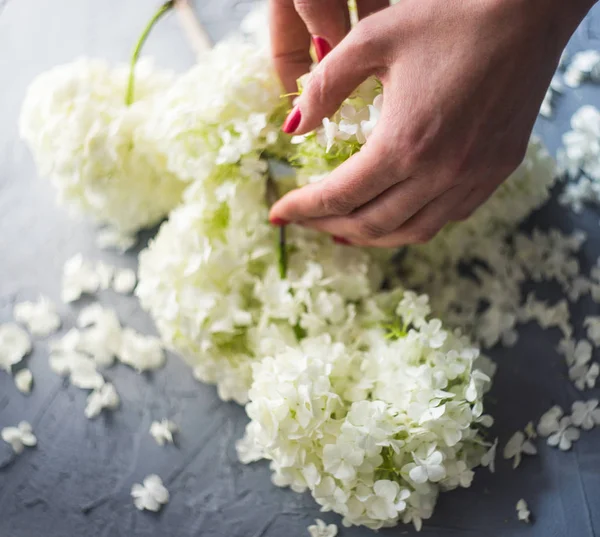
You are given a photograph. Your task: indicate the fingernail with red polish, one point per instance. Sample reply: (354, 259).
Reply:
(322, 47)
(341, 240)
(279, 222)
(292, 121)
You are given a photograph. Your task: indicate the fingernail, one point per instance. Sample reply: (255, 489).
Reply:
(322, 47)
(279, 222)
(292, 121)
(341, 240)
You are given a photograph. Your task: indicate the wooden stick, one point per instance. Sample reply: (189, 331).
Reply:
(195, 33)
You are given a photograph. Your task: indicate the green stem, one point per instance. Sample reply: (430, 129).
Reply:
(272, 197)
(138, 48)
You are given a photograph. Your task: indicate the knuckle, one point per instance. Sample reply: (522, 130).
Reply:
(367, 43)
(370, 229)
(335, 203)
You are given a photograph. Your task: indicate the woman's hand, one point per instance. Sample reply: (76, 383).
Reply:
(463, 83)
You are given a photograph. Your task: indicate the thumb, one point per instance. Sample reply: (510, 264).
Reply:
(359, 55)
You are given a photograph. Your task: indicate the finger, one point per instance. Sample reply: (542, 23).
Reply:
(368, 7)
(382, 215)
(359, 55)
(354, 183)
(290, 43)
(473, 201)
(326, 19)
(424, 225)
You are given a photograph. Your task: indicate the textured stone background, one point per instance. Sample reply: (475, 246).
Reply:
(77, 481)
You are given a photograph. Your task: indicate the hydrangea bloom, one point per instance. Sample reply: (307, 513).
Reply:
(226, 107)
(95, 148)
(375, 427)
(211, 282)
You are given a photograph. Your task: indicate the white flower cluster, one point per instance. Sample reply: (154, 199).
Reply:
(580, 159)
(210, 279)
(340, 136)
(95, 148)
(226, 107)
(580, 67)
(376, 427)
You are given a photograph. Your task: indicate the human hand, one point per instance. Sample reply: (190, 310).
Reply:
(463, 82)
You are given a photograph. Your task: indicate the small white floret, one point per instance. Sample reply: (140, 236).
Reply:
(124, 281)
(151, 495)
(23, 380)
(523, 512)
(320, 529)
(15, 344)
(19, 437)
(162, 431)
(40, 318)
(105, 397)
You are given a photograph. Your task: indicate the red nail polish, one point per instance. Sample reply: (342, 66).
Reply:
(322, 47)
(279, 222)
(341, 240)
(292, 121)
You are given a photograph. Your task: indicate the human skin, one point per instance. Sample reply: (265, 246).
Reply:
(463, 82)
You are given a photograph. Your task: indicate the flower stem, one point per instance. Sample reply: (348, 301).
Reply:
(272, 197)
(138, 48)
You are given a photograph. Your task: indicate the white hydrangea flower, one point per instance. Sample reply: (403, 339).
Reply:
(549, 422)
(101, 338)
(592, 323)
(320, 529)
(109, 238)
(582, 150)
(18, 437)
(523, 512)
(79, 277)
(211, 282)
(226, 107)
(584, 376)
(374, 431)
(580, 67)
(23, 380)
(575, 353)
(489, 458)
(95, 149)
(105, 273)
(40, 318)
(151, 494)
(141, 352)
(104, 397)
(586, 414)
(124, 281)
(15, 344)
(517, 445)
(162, 431)
(565, 435)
